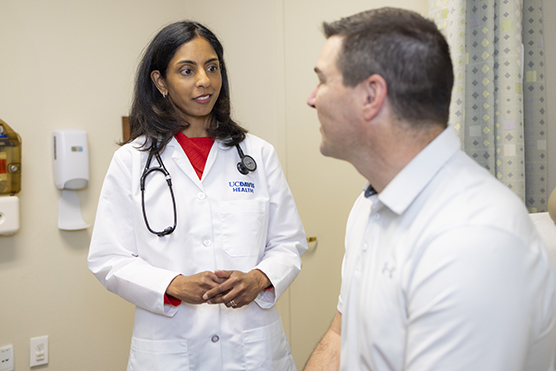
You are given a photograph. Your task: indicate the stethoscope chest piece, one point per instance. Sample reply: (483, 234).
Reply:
(247, 163)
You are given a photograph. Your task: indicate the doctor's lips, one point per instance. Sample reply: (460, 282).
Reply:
(203, 98)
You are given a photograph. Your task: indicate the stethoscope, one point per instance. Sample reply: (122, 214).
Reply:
(246, 165)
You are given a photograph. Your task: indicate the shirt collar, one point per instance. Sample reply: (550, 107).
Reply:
(221, 144)
(414, 177)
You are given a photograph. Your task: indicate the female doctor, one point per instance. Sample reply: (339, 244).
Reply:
(196, 224)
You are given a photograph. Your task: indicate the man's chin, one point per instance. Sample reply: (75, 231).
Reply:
(322, 149)
(325, 151)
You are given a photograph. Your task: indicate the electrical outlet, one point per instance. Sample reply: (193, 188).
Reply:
(39, 351)
(7, 358)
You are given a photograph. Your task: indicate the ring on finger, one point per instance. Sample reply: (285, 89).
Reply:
(232, 303)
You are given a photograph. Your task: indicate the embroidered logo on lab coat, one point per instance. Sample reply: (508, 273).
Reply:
(245, 187)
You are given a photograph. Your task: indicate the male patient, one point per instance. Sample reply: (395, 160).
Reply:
(443, 269)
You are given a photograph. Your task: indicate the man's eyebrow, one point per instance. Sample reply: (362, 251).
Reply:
(319, 73)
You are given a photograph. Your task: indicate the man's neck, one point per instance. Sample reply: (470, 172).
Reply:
(397, 148)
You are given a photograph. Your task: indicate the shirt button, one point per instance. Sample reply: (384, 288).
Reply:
(365, 246)
(207, 243)
(201, 196)
(214, 338)
(377, 216)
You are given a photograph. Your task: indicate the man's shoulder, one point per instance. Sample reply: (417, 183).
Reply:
(464, 193)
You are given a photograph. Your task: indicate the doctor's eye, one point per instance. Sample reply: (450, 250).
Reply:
(187, 71)
(212, 68)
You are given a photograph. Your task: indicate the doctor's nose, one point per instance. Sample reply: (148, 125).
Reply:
(202, 79)
(311, 100)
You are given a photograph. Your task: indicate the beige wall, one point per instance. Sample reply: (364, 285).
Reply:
(66, 64)
(70, 64)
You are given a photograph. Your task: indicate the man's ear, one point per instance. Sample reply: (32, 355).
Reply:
(374, 90)
(158, 80)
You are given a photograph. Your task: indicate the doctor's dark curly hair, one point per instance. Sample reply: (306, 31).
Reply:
(153, 115)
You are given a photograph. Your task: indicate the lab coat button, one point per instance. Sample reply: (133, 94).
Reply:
(201, 196)
(207, 243)
(377, 216)
(214, 338)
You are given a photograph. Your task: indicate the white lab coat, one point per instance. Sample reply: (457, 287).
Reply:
(226, 221)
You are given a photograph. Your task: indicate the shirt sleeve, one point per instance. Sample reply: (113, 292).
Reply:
(170, 300)
(467, 302)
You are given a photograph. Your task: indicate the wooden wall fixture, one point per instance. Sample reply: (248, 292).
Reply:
(125, 127)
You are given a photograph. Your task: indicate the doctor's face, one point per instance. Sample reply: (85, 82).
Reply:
(193, 80)
(334, 102)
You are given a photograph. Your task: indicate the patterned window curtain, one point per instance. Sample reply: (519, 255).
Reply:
(498, 101)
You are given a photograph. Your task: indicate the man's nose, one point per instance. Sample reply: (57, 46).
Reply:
(311, 100)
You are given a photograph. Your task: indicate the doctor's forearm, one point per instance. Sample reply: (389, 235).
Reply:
(262, 279)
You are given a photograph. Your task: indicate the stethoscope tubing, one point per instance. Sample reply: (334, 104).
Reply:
(168, 178)
(246, 165)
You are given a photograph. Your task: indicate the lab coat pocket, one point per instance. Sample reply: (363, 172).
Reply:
(243, 224)
(266, 348)
(160, 355)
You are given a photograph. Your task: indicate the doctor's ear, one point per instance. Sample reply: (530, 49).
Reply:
(375, 91)
(159, 82)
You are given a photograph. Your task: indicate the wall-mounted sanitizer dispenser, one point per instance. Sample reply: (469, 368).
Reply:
(71, 172)
(71, 159)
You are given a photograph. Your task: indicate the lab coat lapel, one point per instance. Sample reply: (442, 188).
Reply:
(181, 160)
(211, 159)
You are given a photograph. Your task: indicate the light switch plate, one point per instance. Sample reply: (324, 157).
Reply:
(39, 351)
(7, 358)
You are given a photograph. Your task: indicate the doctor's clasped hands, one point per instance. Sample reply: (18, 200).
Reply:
(219, 287)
